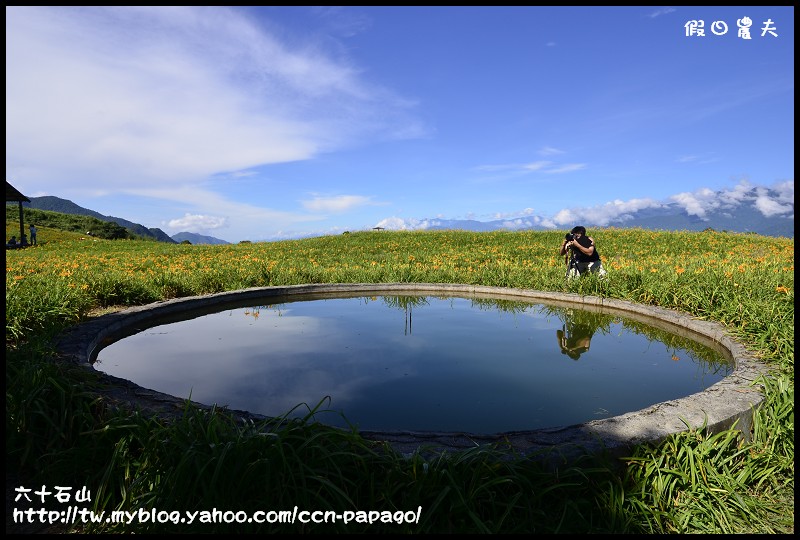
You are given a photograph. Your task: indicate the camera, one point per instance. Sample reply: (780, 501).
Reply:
(569, 237)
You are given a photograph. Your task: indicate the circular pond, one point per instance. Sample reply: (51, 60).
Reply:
(725, 404)
(417, 363)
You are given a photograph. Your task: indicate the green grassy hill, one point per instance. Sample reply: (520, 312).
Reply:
(68, 222)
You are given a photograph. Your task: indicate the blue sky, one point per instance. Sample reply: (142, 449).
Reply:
(265, 123)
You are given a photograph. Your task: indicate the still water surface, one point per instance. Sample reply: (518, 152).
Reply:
(418, 363)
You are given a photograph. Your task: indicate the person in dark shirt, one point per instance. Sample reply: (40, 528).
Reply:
(583, 253)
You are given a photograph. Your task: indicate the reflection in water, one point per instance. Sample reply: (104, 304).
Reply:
(407, 304)
(471, 364)
(575, 335)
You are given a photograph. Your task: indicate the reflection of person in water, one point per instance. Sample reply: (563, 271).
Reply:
(575, 338)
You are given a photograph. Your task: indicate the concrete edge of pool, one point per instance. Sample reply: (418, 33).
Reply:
(720, 406)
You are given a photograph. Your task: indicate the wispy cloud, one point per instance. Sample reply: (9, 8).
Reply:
(661, 11)
(544, 166)
(537, 165)
(698, 160)
(550, 151)
(513, 215)
(568, 168)
(157, 95)
(337, 204)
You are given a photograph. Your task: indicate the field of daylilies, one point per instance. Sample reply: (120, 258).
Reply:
(58, 430)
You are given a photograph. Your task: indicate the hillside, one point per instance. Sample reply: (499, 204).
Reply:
(64, 206)
(82, 224)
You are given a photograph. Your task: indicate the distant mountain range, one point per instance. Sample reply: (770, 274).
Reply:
(744, 220)
(740, 214)
(195, 238)
(64, 206)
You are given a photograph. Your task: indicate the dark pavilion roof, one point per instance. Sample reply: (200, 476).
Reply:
(12, 194)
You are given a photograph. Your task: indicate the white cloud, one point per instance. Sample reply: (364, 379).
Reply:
(544, 166)
(524, 223)
(536, 165)
(600, 216)
(617, 210)
(738, 194)
(197, 223)
(512, 215)
(401, 224)
(242, 221)
(570, 167)
(698, 160)
(661, 11)
(550, 151)
(698, 202)
(772, 207)
(108, 97)
(395, 224)
(337, 204)
(704, 200)
(565, 217)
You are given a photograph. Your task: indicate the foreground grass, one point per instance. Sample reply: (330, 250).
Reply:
(59, 430)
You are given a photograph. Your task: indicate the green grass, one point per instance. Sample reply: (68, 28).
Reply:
(59, 431)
